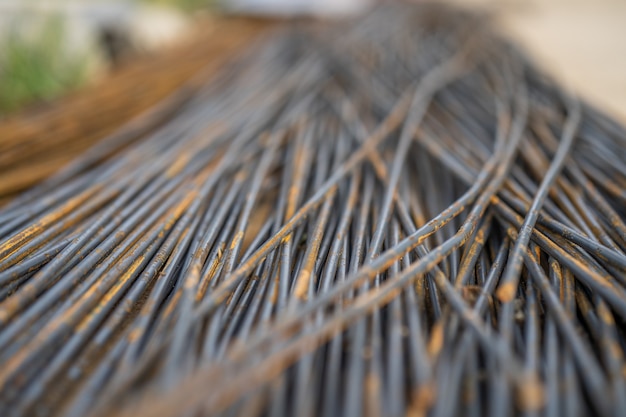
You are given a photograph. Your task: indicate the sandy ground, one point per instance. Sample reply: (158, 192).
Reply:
(582, 43)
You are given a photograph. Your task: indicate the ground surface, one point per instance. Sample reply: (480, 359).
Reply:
(582, 43)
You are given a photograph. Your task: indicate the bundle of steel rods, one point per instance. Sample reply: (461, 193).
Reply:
(392, 215)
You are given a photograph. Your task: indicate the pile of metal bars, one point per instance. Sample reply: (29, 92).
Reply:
(385, 216)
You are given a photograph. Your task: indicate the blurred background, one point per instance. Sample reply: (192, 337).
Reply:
(49, 48)
(74, 71)
(580, 42)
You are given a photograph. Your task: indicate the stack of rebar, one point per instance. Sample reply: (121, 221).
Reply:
(393, 215)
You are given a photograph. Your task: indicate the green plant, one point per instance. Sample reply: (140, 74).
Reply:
(37, 68)
(187, 5)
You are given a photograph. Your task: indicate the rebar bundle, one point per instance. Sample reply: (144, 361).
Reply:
(393, 215)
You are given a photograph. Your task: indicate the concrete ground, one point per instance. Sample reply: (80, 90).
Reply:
(581, 42)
